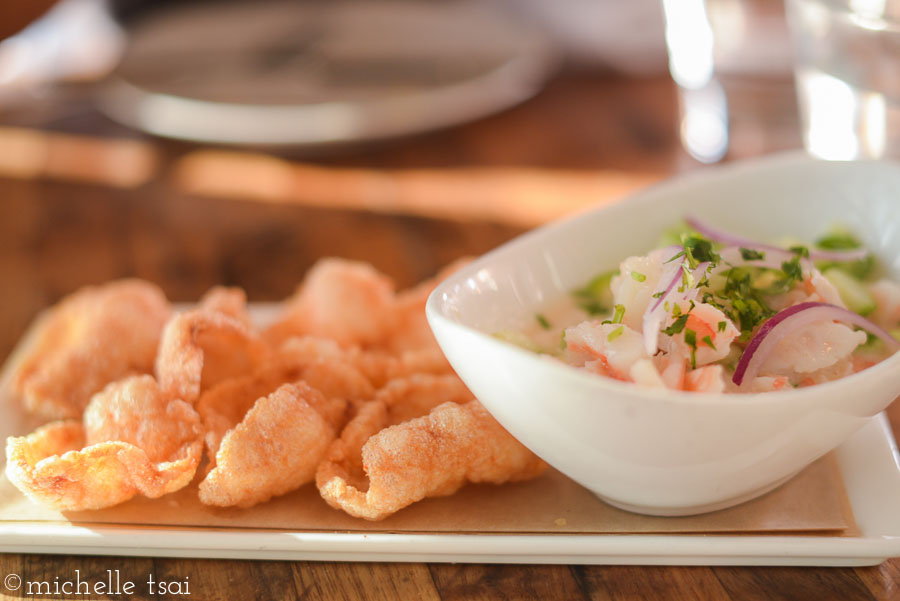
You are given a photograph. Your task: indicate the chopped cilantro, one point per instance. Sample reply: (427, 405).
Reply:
(543, 321)
(749, 254)
(617, 315)
(690, 338)
(698, 250)
(638, 277)
(677, 326)
(792, 269)
(722, 325)
(744, 305)
(615, 333)
(840, 239)
(708, 340)
(659, 294)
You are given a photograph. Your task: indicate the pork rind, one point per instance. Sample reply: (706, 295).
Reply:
(91, 338)
(203, 347)
(231, 301)
(274, 449)
(416, 395)
(132, 440)
(242, 417)
(378, 366)
(346, 301)
(411, 332)
(433, 455)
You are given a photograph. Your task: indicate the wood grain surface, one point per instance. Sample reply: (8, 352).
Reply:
(64, 223)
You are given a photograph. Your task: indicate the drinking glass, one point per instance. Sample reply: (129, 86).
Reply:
(847, 67)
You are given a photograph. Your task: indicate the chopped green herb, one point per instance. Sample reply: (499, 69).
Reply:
(543, 321)
(690, 338)
(615, 333)
(687, 280)
(659, 294)
(638, 277)
(676, 310)
(838, 239)
(677, 326)
(800, 251)
(752, 255)
(792, 269)
(619, 313)
(699, 250)
(708, 340)
(722, 325)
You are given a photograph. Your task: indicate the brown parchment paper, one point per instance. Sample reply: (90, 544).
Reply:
(813, 502)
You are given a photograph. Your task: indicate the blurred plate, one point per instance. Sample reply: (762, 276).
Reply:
(321, 73)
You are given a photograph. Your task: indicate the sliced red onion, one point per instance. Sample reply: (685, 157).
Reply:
(785, 322)
(734, 240)
(655, 314)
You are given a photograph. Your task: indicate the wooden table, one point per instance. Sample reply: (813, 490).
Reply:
(83, 201)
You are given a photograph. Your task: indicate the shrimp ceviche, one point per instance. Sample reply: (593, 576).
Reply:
(713, 312)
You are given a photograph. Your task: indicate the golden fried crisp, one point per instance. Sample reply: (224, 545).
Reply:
(133, 440)
(378, 366)
(433, 455)
(223, 406)
(273, 450)
(411, 332)
(200, 348)
(91, 338)
(416, 395)
(230, 301)
(346, 301)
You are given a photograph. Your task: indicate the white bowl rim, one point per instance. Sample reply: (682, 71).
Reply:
(882, 369)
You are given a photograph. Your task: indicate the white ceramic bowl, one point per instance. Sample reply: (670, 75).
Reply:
(655, 451)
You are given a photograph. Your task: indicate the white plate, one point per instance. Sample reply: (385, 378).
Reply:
(869, 462)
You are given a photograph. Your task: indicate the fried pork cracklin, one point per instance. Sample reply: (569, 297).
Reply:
(716, 313)
(131, 440)
(429, 456)
(273, 408)
(72, 359)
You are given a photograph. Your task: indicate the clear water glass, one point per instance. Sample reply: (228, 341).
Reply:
(847, 67)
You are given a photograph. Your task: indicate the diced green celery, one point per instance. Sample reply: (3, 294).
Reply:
(853, 292)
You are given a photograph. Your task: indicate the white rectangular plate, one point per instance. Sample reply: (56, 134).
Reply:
(869, 462)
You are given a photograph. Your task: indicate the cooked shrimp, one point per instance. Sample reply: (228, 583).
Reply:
(713, 330)
(705, 379)
(609, 349)
(769, 383)
(811, 348)
(633, 288)
(643, 372)
(815, 287)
